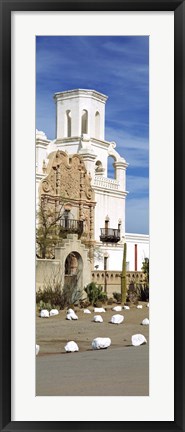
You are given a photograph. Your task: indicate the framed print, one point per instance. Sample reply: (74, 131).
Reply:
(55, 48)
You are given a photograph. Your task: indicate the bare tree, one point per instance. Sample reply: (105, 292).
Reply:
(47, 230)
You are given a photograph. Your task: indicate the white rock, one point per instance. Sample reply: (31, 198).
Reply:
(74, 316)
(126, 307)
(138, 339)
(71, 347)
(147, 305)
(37, 349)
(117, 319)
(70, 311)
(44, 313)
(54, 312)
(117, 308)
(145, 321)
(99, 310)
(100, 343)
(139, 306)
(98, 318)
(87, 311)
(71, 315)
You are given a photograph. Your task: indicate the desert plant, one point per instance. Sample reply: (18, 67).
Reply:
(84, 303)
(53, 294)
(70, 295)
(145, 269)
(124, 276)
(49, 298)
(142, 292)
(110, 301)
(132, 294)
(103, 297)
(94, 292)
(98, 304)
(117, 296)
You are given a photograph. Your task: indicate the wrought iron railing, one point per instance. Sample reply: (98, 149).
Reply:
(111, 235)
(71, 226)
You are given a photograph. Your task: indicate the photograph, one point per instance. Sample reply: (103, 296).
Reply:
(92, 216)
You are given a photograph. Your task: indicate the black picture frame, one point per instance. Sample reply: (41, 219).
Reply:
(6, 7)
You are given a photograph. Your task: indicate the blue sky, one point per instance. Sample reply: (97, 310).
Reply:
(117, 66)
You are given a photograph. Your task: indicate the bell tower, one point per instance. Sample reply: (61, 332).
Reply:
(80, 114)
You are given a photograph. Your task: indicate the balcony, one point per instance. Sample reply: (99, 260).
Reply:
(110, 235)
(71, 226)
(106, 183)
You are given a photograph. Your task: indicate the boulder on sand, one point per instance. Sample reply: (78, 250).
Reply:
(138, 339)
(44, 313)
(71, 346)
(101, 343)
(98, 318)
(117, 319)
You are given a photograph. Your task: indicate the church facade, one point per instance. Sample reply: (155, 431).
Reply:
(72, 179)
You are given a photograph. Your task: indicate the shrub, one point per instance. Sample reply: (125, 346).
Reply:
(57, 298)
(132, 294)
(49, 298)
(103, 297)
(84, 303)
(142, 292)
(117, 296)
(94, 293)
(43, 305)
(98, 304)
(110, 301)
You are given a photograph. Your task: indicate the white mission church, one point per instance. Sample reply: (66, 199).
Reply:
(72, 171)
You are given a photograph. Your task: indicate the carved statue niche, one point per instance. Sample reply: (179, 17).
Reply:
(73, 264)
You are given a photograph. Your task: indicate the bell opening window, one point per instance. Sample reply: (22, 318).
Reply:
(68, 123)
(97, 125)
(111, 171)
(84, 127)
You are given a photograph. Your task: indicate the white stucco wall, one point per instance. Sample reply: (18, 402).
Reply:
(110, 204)
(142, 242)
(41, 150)
(115, 253)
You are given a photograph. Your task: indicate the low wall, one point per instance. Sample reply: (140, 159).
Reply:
(47, 271)
(111, 280)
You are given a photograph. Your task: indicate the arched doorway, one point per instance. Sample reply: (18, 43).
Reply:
(73, 270)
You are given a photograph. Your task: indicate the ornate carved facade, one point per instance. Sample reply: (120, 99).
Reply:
(67, 188)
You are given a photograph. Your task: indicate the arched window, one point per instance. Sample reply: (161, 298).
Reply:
(84, 127)
(99, 170)
(68, 123)
(111, 172)
(97, 125)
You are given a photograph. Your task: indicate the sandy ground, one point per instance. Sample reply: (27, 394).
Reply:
(121, 370)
